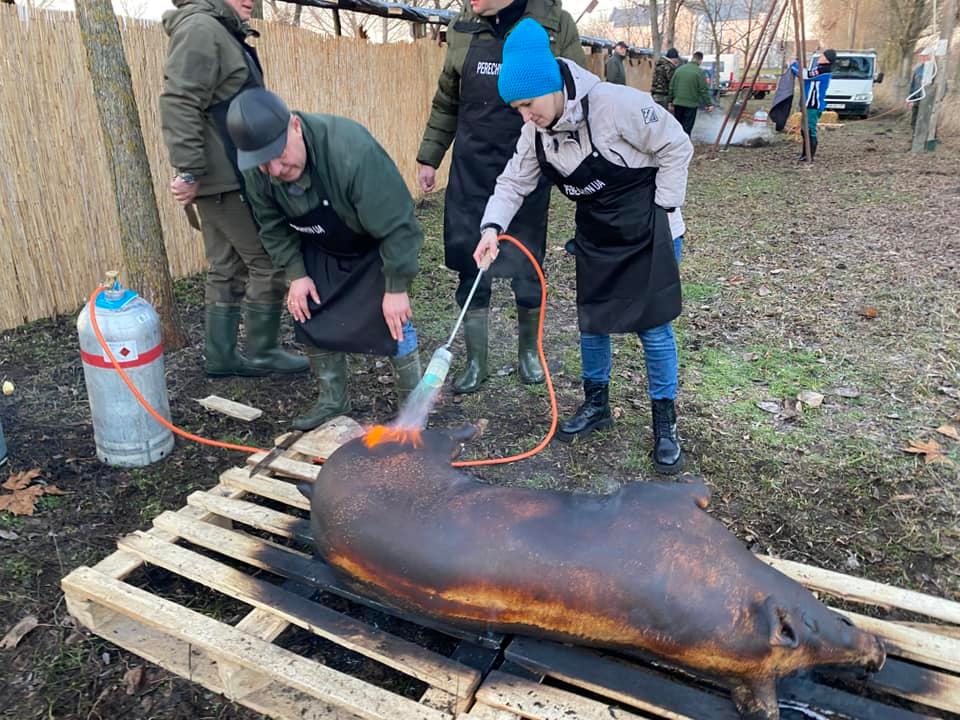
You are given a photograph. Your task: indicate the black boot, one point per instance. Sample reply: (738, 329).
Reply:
(813, 148)
(667, 455)
(594, 414)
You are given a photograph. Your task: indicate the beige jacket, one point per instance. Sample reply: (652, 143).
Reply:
(628, 129)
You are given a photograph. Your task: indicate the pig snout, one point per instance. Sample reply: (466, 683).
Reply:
(877, 657)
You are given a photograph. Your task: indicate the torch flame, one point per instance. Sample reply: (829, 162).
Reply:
(379, 434)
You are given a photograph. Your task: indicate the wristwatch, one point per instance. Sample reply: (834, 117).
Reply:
(188, 178)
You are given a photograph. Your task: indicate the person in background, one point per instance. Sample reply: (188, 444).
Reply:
(467, 107)
(815, 85)
(662, 75)
(616, 72)
(208, 64)
(336, 216)
(688, 90)
(623, 159)
(914, 96)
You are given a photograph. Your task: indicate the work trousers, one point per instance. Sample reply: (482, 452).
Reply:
(240, 268)
(525, 290)
(686, 116)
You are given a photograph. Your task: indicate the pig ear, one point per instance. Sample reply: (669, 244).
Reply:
(783, 631)
(306, 489)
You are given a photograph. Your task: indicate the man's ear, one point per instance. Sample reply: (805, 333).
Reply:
(296, 125)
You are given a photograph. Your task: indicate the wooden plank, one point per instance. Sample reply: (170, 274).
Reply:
(288, 468)
(322, 441)
(809, 694)
(866, 591)
(293, 564)
(952, 631)
(217, 640)
(264, 486)
(628, 684)
(542, 702)
(909, 681)
(351, 634)
(230, 408)
(484, 712)
(926, 647)
(254, 515)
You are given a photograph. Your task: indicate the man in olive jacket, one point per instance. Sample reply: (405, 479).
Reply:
(208, 63)
(688, 90)
(616, 72)
(467, 106)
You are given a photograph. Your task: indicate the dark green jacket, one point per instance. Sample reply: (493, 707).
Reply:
(364, 187)
(688, 86)
(616, 73)
(442, 124)
(205, 65)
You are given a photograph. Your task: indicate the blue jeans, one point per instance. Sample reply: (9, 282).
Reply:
(659, 351)
(409, 342)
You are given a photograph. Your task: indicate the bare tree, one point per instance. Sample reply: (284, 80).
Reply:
(908, 21)
(717, 14)
(141, 237)
(655, 41)
(670, 22)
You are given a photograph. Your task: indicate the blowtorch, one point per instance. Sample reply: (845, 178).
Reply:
(439, 365)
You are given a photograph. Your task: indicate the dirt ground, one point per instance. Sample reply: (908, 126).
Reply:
(840, 278)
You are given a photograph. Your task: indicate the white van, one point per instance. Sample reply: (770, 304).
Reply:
(851, 84)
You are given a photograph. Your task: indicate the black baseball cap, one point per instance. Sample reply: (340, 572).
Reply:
(257, 121)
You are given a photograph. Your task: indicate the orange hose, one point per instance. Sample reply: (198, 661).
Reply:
(554, 414)
(143, 401)
(554, 417)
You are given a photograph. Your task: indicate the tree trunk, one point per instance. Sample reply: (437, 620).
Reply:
(257, 11)
(141, 236)
(655, 29)
(297, 12)
(337, 27)
(670, 31)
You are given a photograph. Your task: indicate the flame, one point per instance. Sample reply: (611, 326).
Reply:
(379, 434)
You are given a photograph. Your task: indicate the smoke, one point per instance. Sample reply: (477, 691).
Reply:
(708, 125)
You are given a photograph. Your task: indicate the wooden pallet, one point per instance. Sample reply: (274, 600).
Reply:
(247, 539)
(220, 541)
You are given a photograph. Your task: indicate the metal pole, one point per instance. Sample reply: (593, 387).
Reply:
(801, 49)
(763, 59)
(746, 69)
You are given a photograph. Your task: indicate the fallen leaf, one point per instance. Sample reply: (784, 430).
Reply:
(950, 392)
(133, 679)
(763, 291)
(811, 398)
(846, 392)
(21, 479)
(950, 431)
(617, 412)
(17, 632)
(8, 534)
(769, 406)
(751, 356)
(792, 408)
(777, 271)
(52, 490)
(869, 312)
(902, 498)
(931, 451)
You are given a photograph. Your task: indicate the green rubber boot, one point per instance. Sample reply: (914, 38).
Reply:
(262, 322)
(220, 343)
(408, 371)
(330, 370)
(528, 323)
(475, 333)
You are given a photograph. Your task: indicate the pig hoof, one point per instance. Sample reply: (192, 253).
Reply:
(757, 701)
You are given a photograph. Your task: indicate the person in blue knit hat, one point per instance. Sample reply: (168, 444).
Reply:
(623, 159)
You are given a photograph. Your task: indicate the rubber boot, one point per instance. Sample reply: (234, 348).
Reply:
(220, 343)
(475, 326)
(408, 372)
(594, 414)
(330, 370)
(667, 455)
(813, 148)
(528, 323)
(262, 322)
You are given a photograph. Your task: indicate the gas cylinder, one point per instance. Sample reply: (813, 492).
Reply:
(126, 435)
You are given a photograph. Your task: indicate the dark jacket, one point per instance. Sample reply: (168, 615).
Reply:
(205, 65)
(688, 87)
(616, 73)
(662, 74)
(442, 124)
(364, 187)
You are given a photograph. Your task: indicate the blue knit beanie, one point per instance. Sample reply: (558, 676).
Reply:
(528, 68)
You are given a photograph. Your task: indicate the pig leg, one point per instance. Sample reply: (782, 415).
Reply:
(757, 699)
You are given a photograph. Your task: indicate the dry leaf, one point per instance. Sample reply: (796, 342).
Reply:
(792, 408)
(950, 431)
(931, 451)
(846, 392)
(869, 312)
(8, 534)
(902, 498)
(17, 632)
(769, 406)
(617, 413)
(133, 679)
(21, 479)
(811, 398)
(52, 490)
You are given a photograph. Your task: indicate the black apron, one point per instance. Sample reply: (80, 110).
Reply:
(218, 111)
(627, 276)
(348, 272)
(487, 134)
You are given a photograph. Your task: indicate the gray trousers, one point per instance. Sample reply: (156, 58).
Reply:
(240, 268)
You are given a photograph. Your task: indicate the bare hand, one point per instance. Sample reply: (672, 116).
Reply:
(709, 108)
(183, 192)
(396, 311)
(426, 177)
(487, 249)
(300, 290)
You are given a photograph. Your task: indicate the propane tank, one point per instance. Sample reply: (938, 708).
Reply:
(126, 435)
